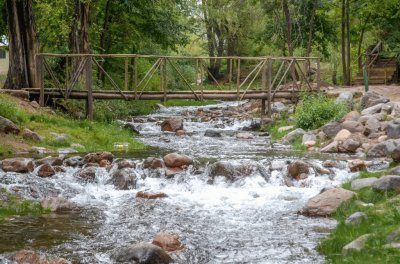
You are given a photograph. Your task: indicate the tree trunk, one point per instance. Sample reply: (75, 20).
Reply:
(23, 45)
(311, 28)
(360, 41)
(344, 42)
(106, 25)
(348, 42)
(79, 35)
(288, 19)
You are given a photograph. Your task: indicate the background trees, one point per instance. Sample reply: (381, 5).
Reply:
(337, 30)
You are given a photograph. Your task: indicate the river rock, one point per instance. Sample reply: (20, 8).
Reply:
(327, 202)
(345, 98)
(98, 156)
(330, 148)
(356, 165)
(293, 135)
(278, 107)
(363, 183)
(393, 129)
(142, 253)
(394, 236)
(386, 183)
(331, 129)
(171, 172)
(61, 139)
(212, 133)
(132, 127)
(73, 161)
(21, 165)
(356, 218)
(285, 128)
(298, 169)
(172, 125)
(372, 110)
(177, 160)
(88, 174)
(371, 98)
(7, 126)
(30, 135)
(351, 144)
(244, 135)
(125, 163)
(124, 179)
(372, 126)
(309, 137)
(151, 196)
(353, 126)
(53, 161)
(153, 163)
(229, 170)
(180, 133)
(356, 245)
(59, 205)
(45, 170)
(342, 135)
(26, 256)
(330, 164)
(168, 242)
(352, 116)
(396, 153)
(381, 149)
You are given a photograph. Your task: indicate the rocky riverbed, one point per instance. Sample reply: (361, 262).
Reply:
(214, 192)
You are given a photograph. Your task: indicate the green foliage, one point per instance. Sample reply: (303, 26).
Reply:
(314, 111)
(92, 135)
(11, 205)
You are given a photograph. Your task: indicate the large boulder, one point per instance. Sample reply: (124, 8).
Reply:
(30, 135)
(293, 135)
(7, 126)
(173, 160)
(59, 205)
(98, 156)
(386, 183)
(45, 170)
(357, 244)
(371, 98)
(87, 174)
(153, 163)
(331, 129)
(382, 149)
(345, 98)
(353, 126)
(21, 165)
(372, 110)
(351, 144)
(229, 170)
(142, 253)
(172, 125)
(324, 204)
(363, 183)
(298, 169)
(124, 179)
(393, 129)
(168, 242)
(372, 126)
(342, 135)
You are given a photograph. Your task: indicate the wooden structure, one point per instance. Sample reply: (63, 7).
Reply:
(380, 69)
(73, 76)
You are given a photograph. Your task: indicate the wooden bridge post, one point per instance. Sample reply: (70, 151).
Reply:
(135, 75)
(163, 79)
(264, 87)
(39, 78)
(238, 79)
(126, 75)
(89, 88)
(269, 87)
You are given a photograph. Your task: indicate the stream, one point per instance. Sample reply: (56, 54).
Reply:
(251, 220)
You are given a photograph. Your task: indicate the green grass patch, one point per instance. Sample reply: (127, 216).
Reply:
(383, 218)
(12, 205)
(92, 135)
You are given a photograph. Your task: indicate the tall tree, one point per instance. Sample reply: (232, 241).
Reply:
(344, 64)
(288, 23)
(23, 45)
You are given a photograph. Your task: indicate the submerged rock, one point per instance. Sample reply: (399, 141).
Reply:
(87, 174)
(153, 163)
(229, 170)
(212, 133)
(45, 170)
(298, 169)
(168, 242)
(172, 125)
(148, 195)
(98, 156)
(59, 205)
(124, 179)
(142, 253)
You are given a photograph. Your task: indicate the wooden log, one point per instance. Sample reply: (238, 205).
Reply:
(269, 84)
(40, 79)
(89, 89)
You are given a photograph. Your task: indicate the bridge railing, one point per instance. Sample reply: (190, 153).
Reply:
(143, 77)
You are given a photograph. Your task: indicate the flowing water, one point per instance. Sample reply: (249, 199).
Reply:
(251, 220)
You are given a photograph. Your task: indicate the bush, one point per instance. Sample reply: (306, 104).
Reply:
(314, 111)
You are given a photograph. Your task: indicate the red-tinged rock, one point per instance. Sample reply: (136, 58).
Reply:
(168, 242)
(147, 195)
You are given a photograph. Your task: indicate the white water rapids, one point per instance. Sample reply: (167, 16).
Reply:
(248, 221)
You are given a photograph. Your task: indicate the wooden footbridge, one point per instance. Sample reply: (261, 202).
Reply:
(151, 77)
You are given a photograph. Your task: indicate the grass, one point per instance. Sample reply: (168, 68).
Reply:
(93, 136)
(11, 205)
(383, 218)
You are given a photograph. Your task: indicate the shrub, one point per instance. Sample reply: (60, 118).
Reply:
(314, 111)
